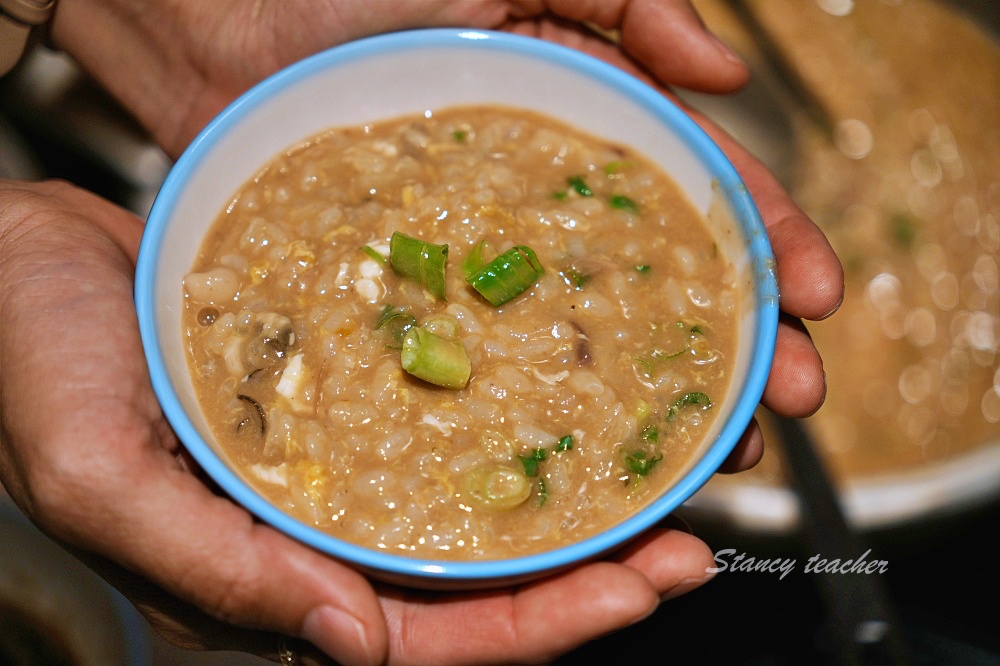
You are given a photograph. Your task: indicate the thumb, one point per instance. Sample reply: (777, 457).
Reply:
(667, 37)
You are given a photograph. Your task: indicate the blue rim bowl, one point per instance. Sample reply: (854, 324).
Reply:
(407, 72)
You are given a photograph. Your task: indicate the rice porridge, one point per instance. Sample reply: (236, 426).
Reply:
(470, 334)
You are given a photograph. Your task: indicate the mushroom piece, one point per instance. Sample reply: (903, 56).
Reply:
(271, 341)
(253, 422)
(583, 349)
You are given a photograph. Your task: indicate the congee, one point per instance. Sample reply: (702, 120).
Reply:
(470, 334)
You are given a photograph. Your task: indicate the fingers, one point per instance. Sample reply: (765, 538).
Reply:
(674, 562)
(668, 37)
(810, 276)
(532, 624)
(796, 387)
(810, 283)
(543, 619)
(747, 452)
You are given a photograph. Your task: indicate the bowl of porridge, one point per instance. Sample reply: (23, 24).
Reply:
(458, 308)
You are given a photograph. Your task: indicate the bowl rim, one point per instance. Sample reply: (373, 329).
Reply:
(643, 95)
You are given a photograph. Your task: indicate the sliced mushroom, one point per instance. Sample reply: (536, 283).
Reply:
(253, 423)
(583, 350)
(271, 342)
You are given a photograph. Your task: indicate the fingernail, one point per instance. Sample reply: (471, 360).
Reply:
(686, 585)
(339, 634)
(832, 310)
(727, 52)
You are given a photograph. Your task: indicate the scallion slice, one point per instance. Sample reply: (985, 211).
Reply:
(374, 254)
(616, 167)
(542, 492)
(692, 398)
(419, 260)
(580, 185)
(622, 202)
(392, 325)
(435, 359)
(641, 462)
(498, 487)
(477, 258)
(531, 460)
(575, 278)
(508, 275)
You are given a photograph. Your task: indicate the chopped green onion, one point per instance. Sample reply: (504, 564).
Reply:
(531, 460)
(498, 486)
(651, 433)
(575, 278)
(622, 202)
(394, 324)
(642, 268)
(643, 410)
(508, 275)
(616, 167)
(460, 135)
(644, 367)
(435, 359)
(560, 195)
(581, 187)
(565, 443)
(692, 398)
(374, 254)
(649, 366)
(543, 492)
(642, 462)
(476, 259)
(419, 260)
(661, 355)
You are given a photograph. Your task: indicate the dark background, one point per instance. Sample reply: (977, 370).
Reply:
(941, 581)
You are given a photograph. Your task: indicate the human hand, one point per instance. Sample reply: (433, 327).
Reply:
(175, 64)
(87, 454)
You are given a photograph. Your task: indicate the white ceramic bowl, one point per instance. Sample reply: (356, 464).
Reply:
(412, 72)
